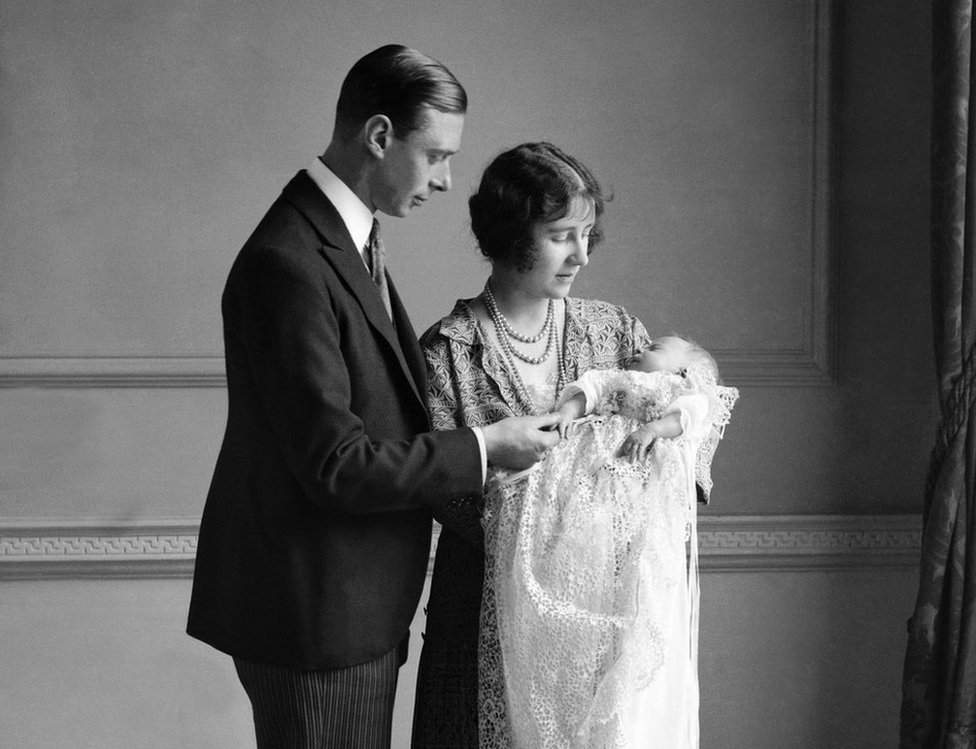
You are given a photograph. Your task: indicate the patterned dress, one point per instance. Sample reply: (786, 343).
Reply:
(469, 385)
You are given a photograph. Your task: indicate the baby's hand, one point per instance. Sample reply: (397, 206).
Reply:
(569, 410)
(565, 424)
(638, 444)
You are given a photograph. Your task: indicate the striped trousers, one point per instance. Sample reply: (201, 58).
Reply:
(343, 708)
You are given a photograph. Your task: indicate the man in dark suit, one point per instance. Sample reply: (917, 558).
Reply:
(315, 537)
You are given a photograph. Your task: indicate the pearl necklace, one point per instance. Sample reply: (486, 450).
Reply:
(508, 350)
(499, 319)
(505, 331)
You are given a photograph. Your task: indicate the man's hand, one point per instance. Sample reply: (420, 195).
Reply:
(519, 442)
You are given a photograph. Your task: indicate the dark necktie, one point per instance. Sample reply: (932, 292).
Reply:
(377, 266)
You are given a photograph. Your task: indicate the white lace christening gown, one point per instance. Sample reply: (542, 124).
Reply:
(589, 629)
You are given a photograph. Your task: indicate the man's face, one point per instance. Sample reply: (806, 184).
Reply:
(417, 165)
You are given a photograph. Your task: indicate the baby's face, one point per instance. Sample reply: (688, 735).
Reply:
(667, 353)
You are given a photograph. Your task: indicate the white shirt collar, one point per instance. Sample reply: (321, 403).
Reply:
(354, 213)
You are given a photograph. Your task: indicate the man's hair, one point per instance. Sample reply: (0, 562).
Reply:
(398, 82)
(530, 184)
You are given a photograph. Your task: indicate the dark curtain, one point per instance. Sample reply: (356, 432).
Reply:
(939, 687)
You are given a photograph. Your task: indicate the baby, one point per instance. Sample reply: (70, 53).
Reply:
(672, 354)
(591, 557)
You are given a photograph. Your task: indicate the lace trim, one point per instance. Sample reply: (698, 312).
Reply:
(586, 556)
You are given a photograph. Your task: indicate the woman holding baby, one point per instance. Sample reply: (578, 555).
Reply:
(513, 350)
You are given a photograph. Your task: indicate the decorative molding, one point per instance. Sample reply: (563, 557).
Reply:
(112, 372)
(809, 364)
(812, 363)
(65, 550)
(798, 368)
(808, 542)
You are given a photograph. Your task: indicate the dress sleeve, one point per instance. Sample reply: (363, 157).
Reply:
(442, 393)
(462, 515)
(708, 412)
(638, 338)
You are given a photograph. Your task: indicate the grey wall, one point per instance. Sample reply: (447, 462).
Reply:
(769, 163)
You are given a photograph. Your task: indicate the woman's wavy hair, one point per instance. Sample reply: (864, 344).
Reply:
(523, 187)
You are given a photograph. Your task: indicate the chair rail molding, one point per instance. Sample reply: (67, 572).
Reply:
(61, 549)
(112, 371)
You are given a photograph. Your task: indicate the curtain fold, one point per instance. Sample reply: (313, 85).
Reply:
(939, 686)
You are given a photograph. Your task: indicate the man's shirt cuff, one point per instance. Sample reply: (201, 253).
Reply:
(484, 452)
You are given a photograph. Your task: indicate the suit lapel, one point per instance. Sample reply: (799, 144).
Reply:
(339, 251)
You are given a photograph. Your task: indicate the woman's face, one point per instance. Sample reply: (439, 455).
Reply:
(561, 251)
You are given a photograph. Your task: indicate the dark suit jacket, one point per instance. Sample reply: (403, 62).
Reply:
(315, 536)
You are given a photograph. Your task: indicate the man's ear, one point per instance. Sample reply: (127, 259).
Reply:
(378, 132)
